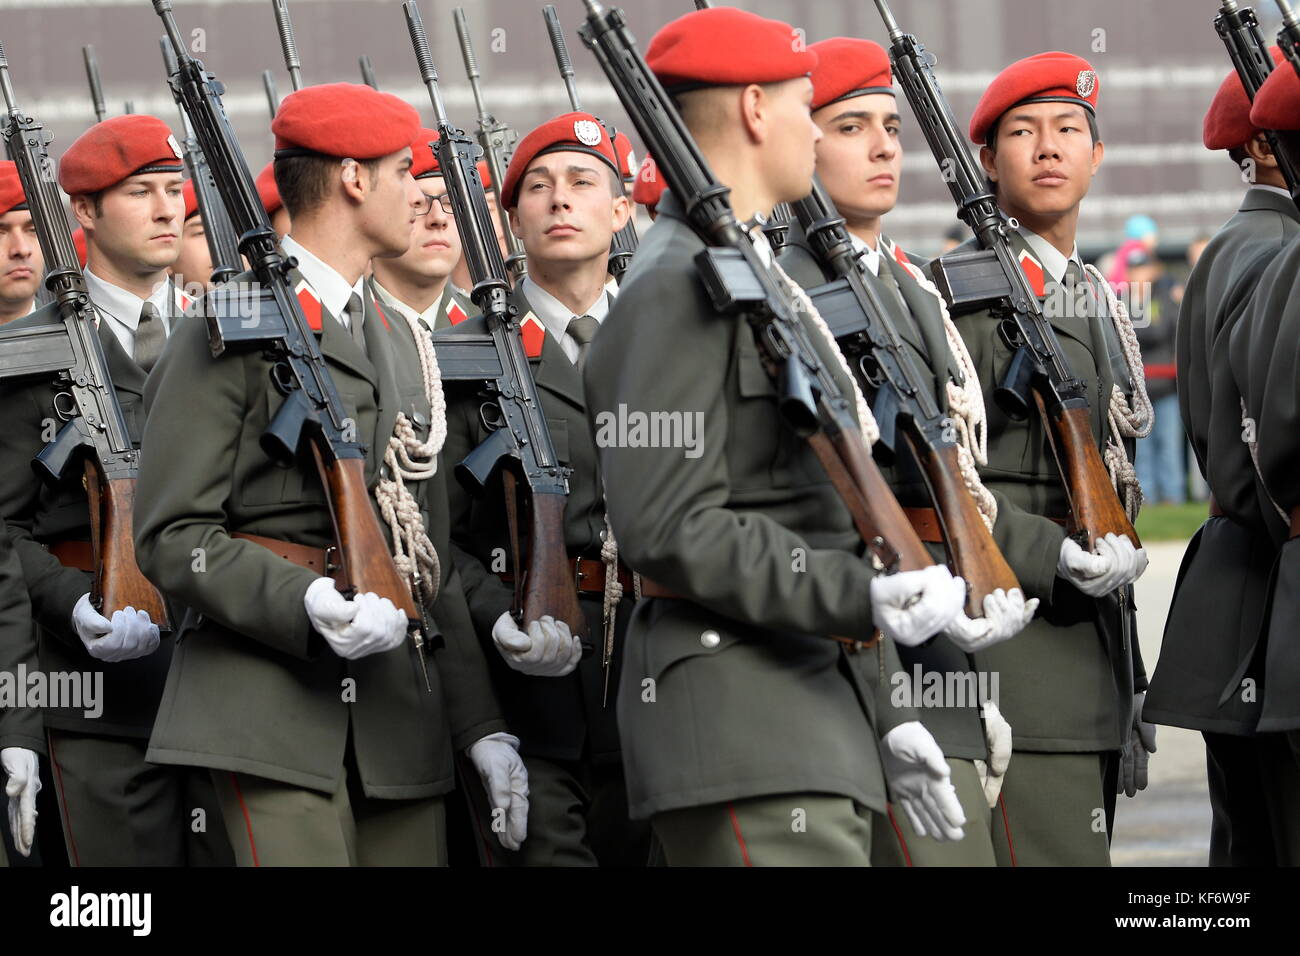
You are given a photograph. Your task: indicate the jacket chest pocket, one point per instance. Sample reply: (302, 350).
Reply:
(762, 451)
(559, 431)
(133, 414)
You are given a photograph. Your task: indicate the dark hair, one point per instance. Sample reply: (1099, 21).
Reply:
(992, 138)
(303, 181)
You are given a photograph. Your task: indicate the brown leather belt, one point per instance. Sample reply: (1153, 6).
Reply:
(925, 521)
(313, 559)
(74, 554)
(649, 589)
(1295, 522)
(588, 576)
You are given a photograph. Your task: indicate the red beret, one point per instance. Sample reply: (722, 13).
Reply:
(119, 147)
(580, 132)
(424, 161)
(650, 185)
(1048, 77)
(79, 241)
(626, 156)
(11, 188)
(191, 199)
(1227, 121)
(1277, 104)
(723, 46)
(484, 174)
(344, 120)
(847, 67)
(267, 191)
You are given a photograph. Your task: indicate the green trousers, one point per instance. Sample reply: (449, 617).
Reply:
(277, 824)
(1055, 810)
(895, 843)
(792, 829)
(120, 810)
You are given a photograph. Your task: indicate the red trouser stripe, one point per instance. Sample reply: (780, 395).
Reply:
(248, 823)
(63, 802)
(1006, 825)
(735, 825)
(907, 857)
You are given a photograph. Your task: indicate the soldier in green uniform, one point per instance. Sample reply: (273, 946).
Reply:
(328, 740)
(21, 262)
(749, 736)
(1201, 681)
(565, 199)
(418, 282)
(124, 177)
(22, 735)
(1262, 355)
(1070, 684)
(859, 160)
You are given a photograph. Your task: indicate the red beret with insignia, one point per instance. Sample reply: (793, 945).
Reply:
(11, 188)
(846, 68)
(723, 46)
(1046, 78)
(1227, 121)
(1277, 104)
(577, 132)
(649, 186)
(267, 191)
(626, 156)
(119, 147)
(343, 120)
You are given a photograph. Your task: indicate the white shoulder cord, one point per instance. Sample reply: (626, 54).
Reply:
(1253, 447)
(1125, 421)
(409, 459)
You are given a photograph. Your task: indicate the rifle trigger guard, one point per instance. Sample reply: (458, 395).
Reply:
(489, 414)
(60, 400)
(282, 377)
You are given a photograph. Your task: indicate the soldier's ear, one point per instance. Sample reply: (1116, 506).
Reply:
(1098, 151)
(1257, 148)
(622, 212)
(83, 210)
(988, 159)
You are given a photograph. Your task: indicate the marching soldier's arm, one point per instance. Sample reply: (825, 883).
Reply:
(472, 707)
(676, 518)
(196, 407)
(19, 726)
(1273, 374)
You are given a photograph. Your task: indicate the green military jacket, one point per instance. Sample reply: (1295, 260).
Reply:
(39, 515)
(1218, 604)
(1067, 680)
(1262, 352)
(558, 718)
(20, 726)
(920, 325)
(735, 691)
(252, 687)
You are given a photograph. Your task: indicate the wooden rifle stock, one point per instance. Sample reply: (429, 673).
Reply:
(549, 586)
(117, 582)
(1095, 508)
(975, 557)
(364, 560)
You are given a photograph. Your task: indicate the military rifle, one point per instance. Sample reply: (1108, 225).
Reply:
(1040, 373)
(1288, 38)
(810, 399)
(625, 241)
(288, 46)
(94, 432)
(368, 72)
(272, 96)
(265, 315)
(96, 87)
(522, 446)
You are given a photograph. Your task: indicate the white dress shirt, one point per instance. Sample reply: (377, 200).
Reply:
(555, 316)
(428, 318)
(121, 309)
(326, 283)
(1054, 264)
(872, 257)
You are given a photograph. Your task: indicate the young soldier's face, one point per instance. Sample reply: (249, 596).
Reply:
(791, 151)
(392, 205)
(859, 158)
(567, 210)
(138, 226)
(21, 262)
(435, 241)
(194, 265)
(1045, 158)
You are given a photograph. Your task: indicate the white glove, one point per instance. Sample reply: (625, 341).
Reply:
(1137, 755)
(919, 781)
(1006, 613)
(368, 624)
(997, 737)
(547, 650)
(912, 606)
(130, 634)
(1112, 564)
(505, 778)
(23, 786)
